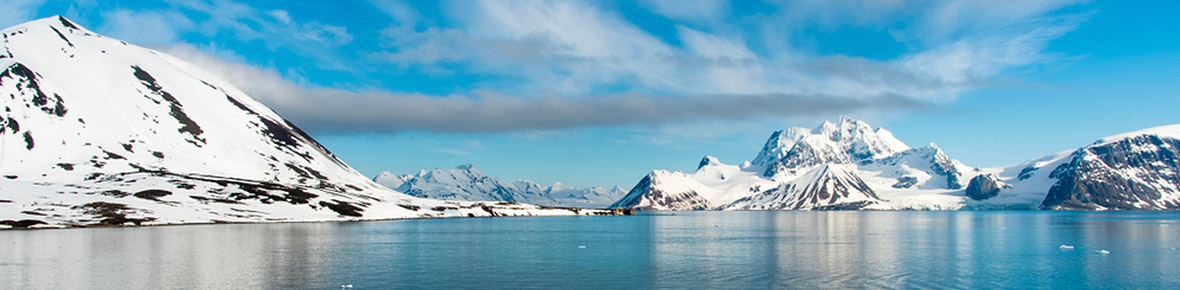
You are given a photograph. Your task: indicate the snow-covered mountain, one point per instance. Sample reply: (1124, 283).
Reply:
(850, 165)
(465, 182)
(98, 131)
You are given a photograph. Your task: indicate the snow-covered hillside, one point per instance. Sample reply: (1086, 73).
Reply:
(850, 165)
(465, 182)
(99, 131)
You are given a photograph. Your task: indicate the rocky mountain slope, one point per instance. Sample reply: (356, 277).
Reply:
(98, 131)
(465, 182)
(850, 165)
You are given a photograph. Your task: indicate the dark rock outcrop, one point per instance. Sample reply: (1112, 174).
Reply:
(1132, 173)
(984, 186)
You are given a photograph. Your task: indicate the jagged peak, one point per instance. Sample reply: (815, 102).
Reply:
(854, 138)
(930, 147)
(708, 160)
(844, 125)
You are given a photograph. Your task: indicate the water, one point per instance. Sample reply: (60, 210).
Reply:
(699, 250)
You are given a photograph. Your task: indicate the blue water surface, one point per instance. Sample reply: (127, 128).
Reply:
(681, 250)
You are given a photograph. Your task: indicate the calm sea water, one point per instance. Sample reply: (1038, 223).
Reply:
(743, 250)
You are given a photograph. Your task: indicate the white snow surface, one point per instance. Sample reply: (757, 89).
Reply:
(465, 182)
(902, 178)
(1166, 131)
(89, 118)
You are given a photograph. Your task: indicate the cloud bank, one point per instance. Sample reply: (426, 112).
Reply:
(520, 65)
(335, 110)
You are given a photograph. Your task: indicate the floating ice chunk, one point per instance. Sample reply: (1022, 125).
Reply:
(581, 247)
(1066, 247)
(348, 286)
(1102, 252)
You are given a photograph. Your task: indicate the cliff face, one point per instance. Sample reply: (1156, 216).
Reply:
(1139, 172)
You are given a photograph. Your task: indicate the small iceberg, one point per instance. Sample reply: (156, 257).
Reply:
(1102, 252)
(1066, 247)
(581, 247)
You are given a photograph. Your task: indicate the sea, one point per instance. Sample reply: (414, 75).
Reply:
(662, 250)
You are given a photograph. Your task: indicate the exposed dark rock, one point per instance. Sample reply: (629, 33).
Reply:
(1132, 173)
(21, 224)
(13, 125)
(905, 182)
(343, 208)
(115, 193)
(63, 37)
(29, 144)
(112, 155)
(152, 194)
(708, 160)
(30, 78)
(67, 22)
(984, 186)
(187, 124)
(1027, 172)
(112, 214)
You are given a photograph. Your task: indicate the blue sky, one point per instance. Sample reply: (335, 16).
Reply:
(598, 93)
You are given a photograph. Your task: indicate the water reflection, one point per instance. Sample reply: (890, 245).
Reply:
(911, 250)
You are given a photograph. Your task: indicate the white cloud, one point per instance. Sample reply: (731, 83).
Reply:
(690, 10)
(560, 64)
(277, 29)
(144, 27)
(281, 15)
(14, 12)
(326, 109)
(402, 13)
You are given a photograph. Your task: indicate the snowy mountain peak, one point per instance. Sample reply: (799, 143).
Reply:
(707, 161)
(846, 141)
(465, 182)
(53, 22)
(99, 131)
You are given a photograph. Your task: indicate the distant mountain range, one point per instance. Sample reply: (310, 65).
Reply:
(465, 182)
(96, 131)
(850, 165)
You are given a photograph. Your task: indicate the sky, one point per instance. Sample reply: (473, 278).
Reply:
(598, 93)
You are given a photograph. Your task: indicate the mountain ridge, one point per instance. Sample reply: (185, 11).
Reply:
(1133, 170)
(465, 182)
